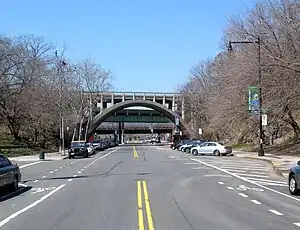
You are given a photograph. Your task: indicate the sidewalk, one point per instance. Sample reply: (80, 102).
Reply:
(48, 157)
(280, 163)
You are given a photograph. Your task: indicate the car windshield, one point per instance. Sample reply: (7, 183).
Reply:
(78, 144)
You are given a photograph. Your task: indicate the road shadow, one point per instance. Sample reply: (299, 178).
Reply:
(103, 175)
(6, 194)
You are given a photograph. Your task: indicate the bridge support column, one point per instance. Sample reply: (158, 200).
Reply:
(144, 97)
(173, 103)
(121, 132)
(154, 98)
(164, 100)
(112, 99)
(123, 97)
(101, 102)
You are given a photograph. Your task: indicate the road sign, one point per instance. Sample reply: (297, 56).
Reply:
(253, 99)
(264, 119)
(200, 131)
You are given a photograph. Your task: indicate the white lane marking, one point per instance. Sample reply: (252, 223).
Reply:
(60, 167)
(255, 201)
(220, 182)
(70, 180)
(237, 171)
(33, 163)
(75, 175)
(22, 185)
(85, 167)
(202, 168)
(191, 163)
(262, 173)
(181, 159)
(230, 188)
(247, 180)
(252, 175)
(44, 176)
(297, 224)
(276, 212)
(217, 175)
(14, 215)
(242, 194)
(244, 168)
(55, 170)
(35, 181)
(82, 170)
(79, 172)
(272, 184)
(51, 172)
(267, 180)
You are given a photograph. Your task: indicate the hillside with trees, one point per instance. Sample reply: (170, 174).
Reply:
(216, 92)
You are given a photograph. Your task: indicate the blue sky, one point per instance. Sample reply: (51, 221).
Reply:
(149, 45)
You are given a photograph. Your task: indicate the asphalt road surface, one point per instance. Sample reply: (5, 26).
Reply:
(150, 187)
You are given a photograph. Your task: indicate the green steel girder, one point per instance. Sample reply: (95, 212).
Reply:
(137, 119)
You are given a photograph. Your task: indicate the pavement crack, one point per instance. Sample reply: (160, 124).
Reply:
(144, 155)
(182, 213)
(112, 168)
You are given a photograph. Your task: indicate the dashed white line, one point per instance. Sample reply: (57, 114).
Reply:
(85, 167)
(297, 224)
(82, 170)
(276, 212)
(79, 172)
(230, 188)
(191, 163)
(51, 172)
(243, 194)
(70, 180)
(44, 176)
(75, 175)
(55, 170)
(220, 182)
(35, 181)
(255, 201)
(60, 167)
(14, 215)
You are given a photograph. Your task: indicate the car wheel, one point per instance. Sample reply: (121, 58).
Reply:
(293, 186)
(15, 184)
(195, 152)
(217, 153)
(187, 150)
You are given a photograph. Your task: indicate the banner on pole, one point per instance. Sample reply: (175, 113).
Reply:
(253, 99)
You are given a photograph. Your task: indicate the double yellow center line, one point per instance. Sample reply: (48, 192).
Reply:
(143, 184)
(135, 154)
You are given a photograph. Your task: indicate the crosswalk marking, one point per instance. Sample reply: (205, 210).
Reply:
(257, 172)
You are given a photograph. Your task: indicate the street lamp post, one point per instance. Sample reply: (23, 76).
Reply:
(61, 115)
(261, 151)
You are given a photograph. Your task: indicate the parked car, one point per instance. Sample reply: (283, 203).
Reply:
(211, 148)
(182, 142)
(79, 148)
(294, 179)
(10, 174)
(98, 144)
(187, 147)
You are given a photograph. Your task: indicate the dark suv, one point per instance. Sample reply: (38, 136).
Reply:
(78, 148)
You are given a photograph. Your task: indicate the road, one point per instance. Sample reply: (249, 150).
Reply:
(150, 187)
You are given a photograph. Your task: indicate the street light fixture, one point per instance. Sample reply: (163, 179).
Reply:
(261, 151)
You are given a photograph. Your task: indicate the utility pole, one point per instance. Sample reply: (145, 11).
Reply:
(61, 115)
(261, 151)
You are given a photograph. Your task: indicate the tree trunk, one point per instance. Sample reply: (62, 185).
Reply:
(289, 118)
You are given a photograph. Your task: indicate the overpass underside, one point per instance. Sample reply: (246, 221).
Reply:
(136, 121)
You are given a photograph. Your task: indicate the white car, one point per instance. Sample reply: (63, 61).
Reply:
(211, 148)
